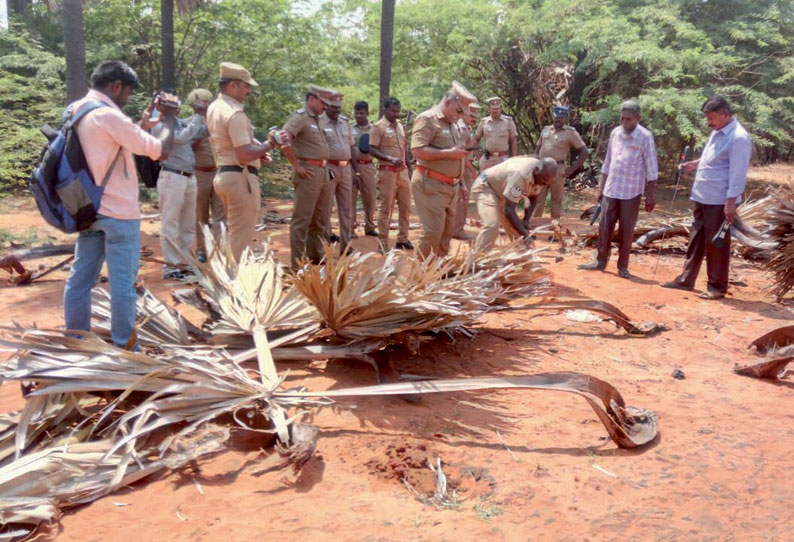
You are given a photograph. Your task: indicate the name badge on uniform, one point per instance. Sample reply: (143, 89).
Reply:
(329, 130)
(445, 131)
(389, 130)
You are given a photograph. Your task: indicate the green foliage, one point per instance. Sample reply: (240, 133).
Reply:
(669, 54)
(31, 94)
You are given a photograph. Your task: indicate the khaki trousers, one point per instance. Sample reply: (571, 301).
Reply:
(240, 195)
(394, 186)
(435, 205)
(342, 188)
(491, 208)
(177, 195)
(207, 200)
(557, 191)
(366, 183)
(462, 207)
(307, 230)
(485, 163)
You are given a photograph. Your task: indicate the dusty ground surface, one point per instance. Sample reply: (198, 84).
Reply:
(529, 466)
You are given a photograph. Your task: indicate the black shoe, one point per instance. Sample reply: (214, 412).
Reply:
(624, 273)
(404, 246)
(372, 233)
(595, 266)
(677, 285)
(174, 274)
(334, 238)
(201, 257)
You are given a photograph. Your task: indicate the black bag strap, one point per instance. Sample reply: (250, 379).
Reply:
(106, 178)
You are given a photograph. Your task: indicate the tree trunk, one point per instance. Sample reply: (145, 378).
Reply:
(386, 47)
(19, 6)
(74, 50)
(167, 82)
(3, 15)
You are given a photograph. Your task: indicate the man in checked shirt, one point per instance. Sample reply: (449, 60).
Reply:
(630, 163)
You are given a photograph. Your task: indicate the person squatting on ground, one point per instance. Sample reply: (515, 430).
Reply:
(365, 179)
(498, 190)
(176, 190)
(556, 141)
(439, 149)
(237, 154)
(308, 154)
(718, 188)
(629, 166)
(109, 139)
(389, 145)
(207, 200)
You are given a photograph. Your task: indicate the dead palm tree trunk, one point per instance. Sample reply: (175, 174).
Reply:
(168, 80)
(386, 47)
(74, 49)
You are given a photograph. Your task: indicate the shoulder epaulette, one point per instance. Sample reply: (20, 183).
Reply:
(300, 111)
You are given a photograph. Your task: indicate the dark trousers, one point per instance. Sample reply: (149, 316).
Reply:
(708, 219)
(624, 211)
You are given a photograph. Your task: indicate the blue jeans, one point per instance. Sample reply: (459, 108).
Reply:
(119, 242)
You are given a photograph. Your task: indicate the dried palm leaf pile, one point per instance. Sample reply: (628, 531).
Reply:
(777, 347)
(98, 417)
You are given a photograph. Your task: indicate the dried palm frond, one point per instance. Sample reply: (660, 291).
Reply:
(189, 392)
(251, 293)
(358, 297)
(515, 267)
(157, 322)
(627, 426)
(780, 230)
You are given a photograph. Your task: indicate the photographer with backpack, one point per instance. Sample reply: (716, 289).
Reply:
(108, 139)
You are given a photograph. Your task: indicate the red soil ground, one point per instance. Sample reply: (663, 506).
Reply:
(527, 465)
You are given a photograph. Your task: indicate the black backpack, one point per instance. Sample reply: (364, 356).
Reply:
(148, 170)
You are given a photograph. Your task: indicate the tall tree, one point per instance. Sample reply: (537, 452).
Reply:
(386, 47)
(74, 49)
(168, 79)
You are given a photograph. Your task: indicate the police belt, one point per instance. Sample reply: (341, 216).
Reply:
(388, 167)
(437, 176)
(237, 169)
(205, 169)
(365, 160)
(313, 162)
(177, 171)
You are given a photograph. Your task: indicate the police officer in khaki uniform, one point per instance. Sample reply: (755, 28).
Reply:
(440, 151)
(365, 179)
(501, 137)
(340, 163)
(469, 174)
(556, 141)
(237, 154)
(388, 144)
(498, 191)
(308, 154)
(206, 198)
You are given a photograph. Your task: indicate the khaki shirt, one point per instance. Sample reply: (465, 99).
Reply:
(513, 178)
(203, 153)
(339, 136)
(497, 133)
(558, 144)
(229, 128)
(389, 140)
(359, 131)
(308, 139)
(432, 129)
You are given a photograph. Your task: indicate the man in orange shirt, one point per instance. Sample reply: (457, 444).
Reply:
(109, 138)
